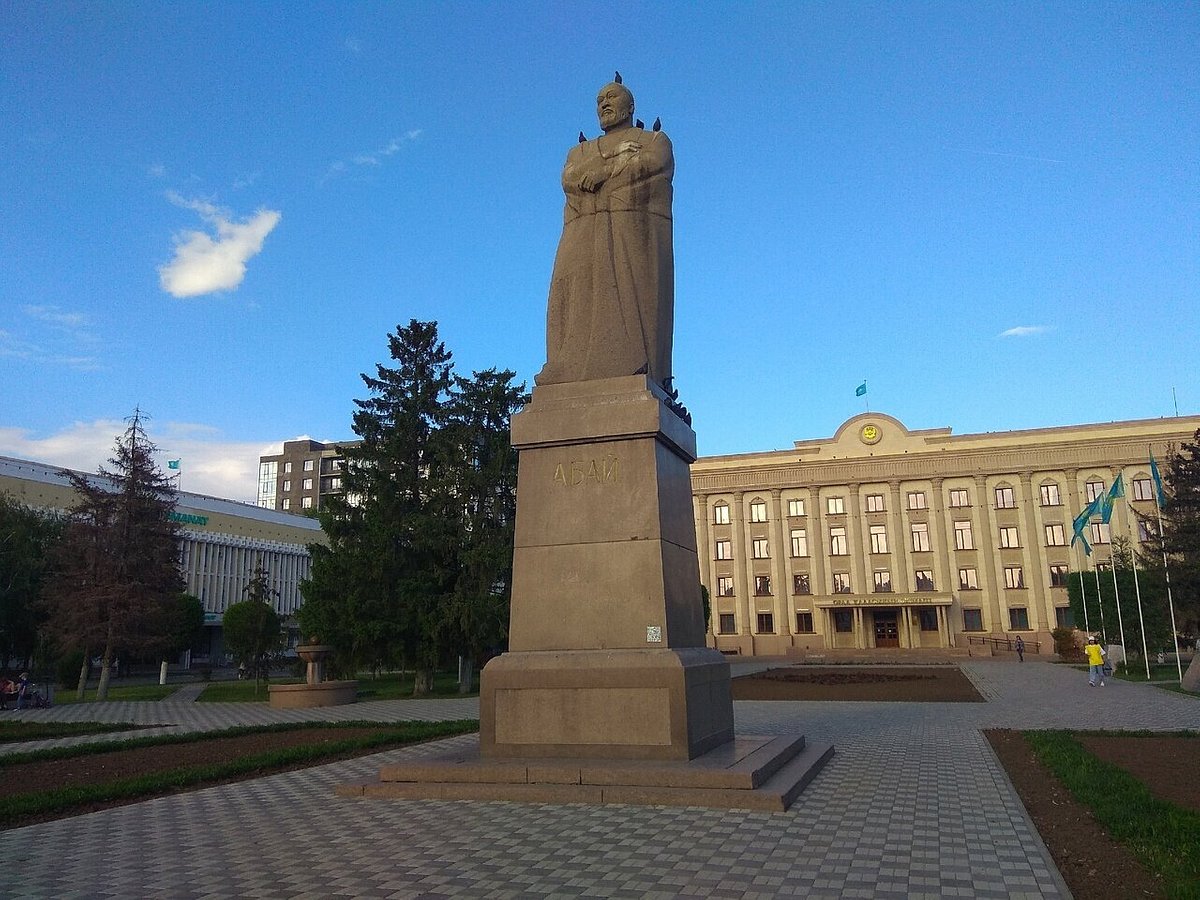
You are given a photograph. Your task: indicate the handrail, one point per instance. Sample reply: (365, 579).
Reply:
(1004, 643)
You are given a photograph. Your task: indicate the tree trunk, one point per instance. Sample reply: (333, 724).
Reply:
(83, 674)
(422, 682)
(105, 671)
(466, 678)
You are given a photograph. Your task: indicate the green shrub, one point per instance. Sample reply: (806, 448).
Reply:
(1065, 646)
(66, 670)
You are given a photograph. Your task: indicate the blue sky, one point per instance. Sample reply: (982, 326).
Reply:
(217, 212)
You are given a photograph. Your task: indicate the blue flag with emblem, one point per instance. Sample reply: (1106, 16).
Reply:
(1106, 508)
(1159, 493)
(860, 390)
(173, 463)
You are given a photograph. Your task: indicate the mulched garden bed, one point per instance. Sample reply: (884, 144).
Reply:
(108, 766)
(920, 684)
(1093, 864)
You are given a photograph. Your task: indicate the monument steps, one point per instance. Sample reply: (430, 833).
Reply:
(752, 772)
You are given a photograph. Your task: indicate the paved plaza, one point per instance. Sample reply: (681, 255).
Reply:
(914, 804)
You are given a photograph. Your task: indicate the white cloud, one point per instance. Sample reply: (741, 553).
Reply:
(157, 170)
(353, 44)
(70, 321)
(1024, 330)
(203, 265)
(209, 464)
(372, 158)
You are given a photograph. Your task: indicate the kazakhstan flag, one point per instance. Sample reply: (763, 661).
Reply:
(860, 390)
(1106, 508)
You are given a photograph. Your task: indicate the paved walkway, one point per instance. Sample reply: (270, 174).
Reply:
(913, 804)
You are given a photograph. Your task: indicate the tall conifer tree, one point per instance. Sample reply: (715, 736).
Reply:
(374, 591)
(116, 578)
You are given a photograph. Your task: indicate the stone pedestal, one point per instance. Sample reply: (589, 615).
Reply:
(606, 636)
(607, 694)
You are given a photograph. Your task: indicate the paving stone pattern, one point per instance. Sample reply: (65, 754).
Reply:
(913, 805)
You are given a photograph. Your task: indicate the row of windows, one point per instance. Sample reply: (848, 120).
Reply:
(843, 620)
(968, 580)
(309, 465)
(958, 497)
(964, 539)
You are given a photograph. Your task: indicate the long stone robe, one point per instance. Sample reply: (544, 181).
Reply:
(612, 294)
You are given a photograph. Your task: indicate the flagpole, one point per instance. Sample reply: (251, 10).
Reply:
(1112, 565)
(1162, 544)
(1137, 589)
(1083, 592)
(1100, 603)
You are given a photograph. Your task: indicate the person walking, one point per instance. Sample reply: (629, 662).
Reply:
(1095, 658)
(1020, 648)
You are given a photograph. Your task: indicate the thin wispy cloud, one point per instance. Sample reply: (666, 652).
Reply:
(157, 170)
(1024, 331)
(244, 181)
(204, 264)
(370, 158)
(1025, 156)
(68, 321)
(53, 337)
(15, 347)
(352, 45)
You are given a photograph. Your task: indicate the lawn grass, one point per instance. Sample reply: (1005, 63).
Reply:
(389, 686)
(62, 800)
(67, 696)
(18, 730)
(1164, 836)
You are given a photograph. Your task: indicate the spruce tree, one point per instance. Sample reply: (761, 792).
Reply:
(481, 467)
(116, 577)
(375, 591)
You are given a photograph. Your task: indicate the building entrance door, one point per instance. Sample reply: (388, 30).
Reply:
(887, 634)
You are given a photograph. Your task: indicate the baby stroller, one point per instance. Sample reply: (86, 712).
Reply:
(32, 696)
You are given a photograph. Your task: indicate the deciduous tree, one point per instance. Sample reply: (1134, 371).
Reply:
(251, 629)
(27, 539)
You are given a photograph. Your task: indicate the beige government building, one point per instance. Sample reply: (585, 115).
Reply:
(882, 537)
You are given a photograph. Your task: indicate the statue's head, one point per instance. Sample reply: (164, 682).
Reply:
(614, 106)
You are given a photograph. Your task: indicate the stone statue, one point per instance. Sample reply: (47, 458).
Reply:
(612, 294)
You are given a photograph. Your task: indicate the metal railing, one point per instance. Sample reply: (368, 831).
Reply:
(1004, 643)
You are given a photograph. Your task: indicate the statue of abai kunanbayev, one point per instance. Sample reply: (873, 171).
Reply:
(612, 294)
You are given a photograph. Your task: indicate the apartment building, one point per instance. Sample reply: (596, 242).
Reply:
(297, 479)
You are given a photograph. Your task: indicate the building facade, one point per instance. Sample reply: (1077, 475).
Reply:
(222, 543)
(298, 478)
(882, 537)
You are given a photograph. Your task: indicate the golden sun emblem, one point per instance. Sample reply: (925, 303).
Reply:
(870, 434)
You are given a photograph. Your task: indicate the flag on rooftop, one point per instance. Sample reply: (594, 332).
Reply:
(860, 390)
(173, 463)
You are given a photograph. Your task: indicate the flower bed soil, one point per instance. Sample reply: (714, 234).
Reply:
(1093, 864)
(920, 684)
(98, 768)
